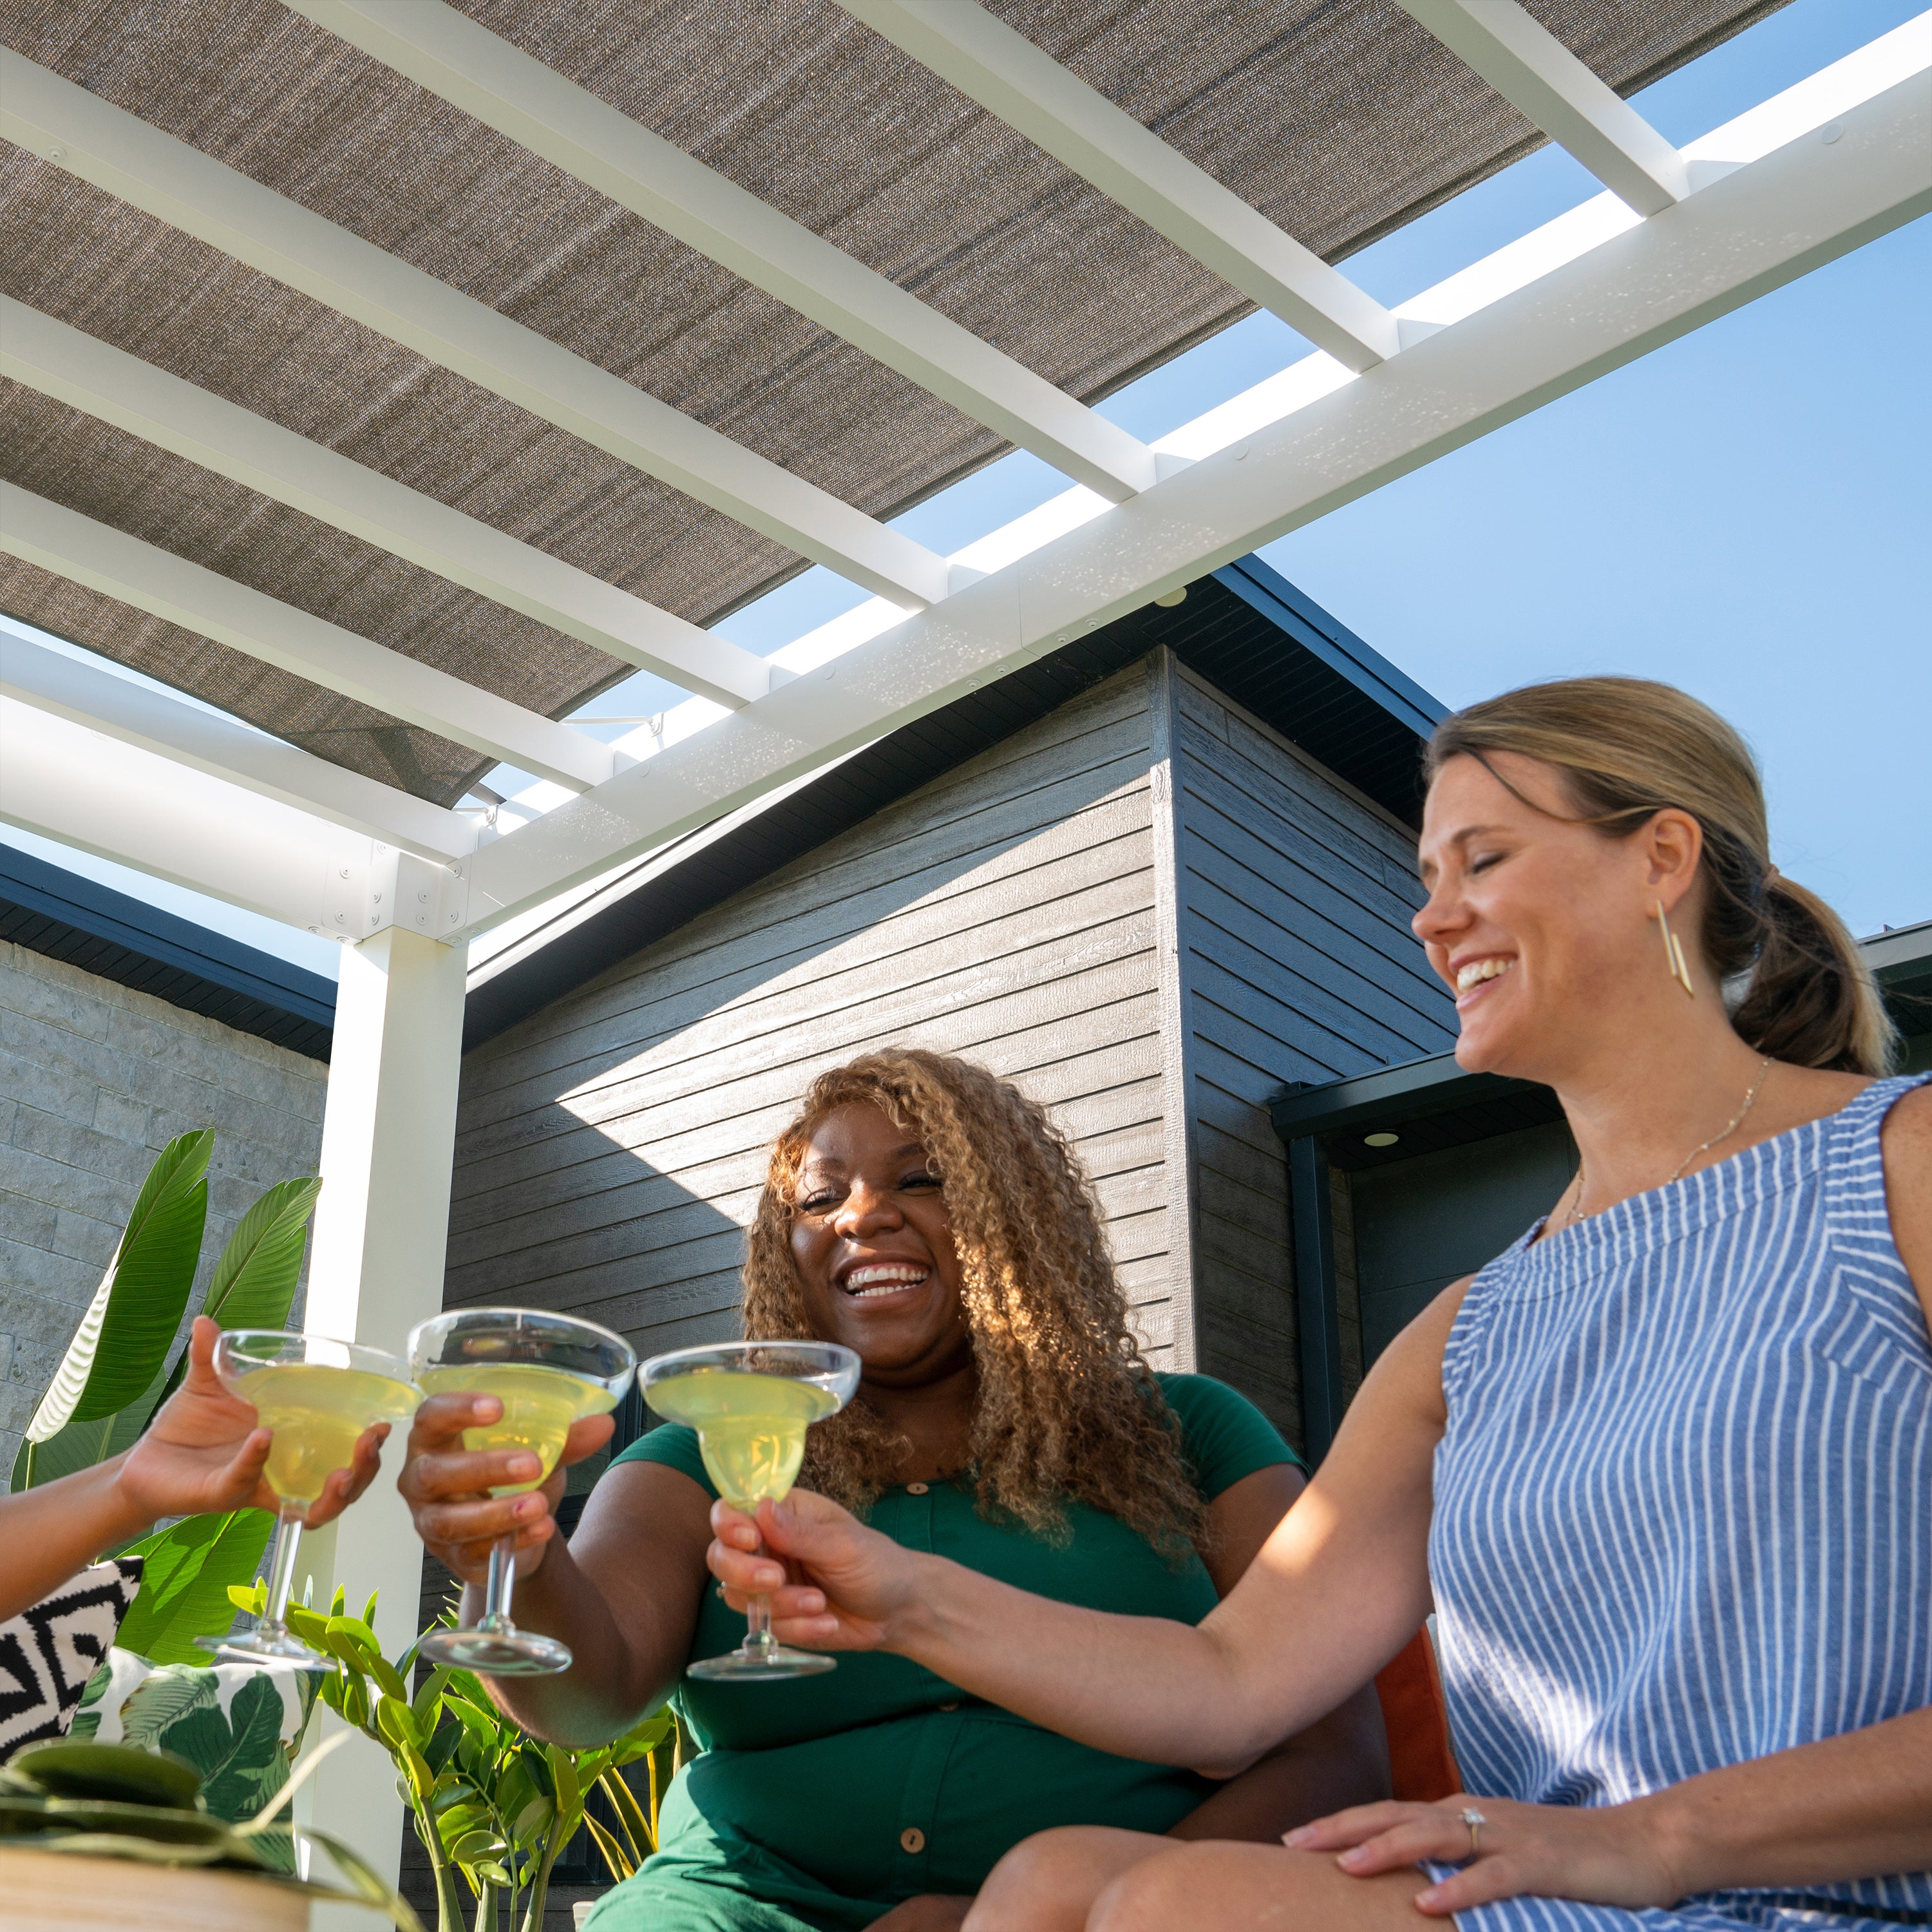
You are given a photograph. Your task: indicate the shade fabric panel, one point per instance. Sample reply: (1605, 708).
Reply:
(1339, 119)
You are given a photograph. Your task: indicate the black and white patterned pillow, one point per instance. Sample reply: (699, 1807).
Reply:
(48, 1653)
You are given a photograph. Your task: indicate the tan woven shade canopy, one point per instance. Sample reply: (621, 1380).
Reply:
(1338, 119)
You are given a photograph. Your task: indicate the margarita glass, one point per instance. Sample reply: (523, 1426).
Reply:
(751, 1403)
(549, 1372)
(318, 1396)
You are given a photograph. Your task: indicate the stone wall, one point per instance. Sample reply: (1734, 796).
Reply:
(95, 1079)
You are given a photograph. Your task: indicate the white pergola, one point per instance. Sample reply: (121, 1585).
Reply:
(1678, 237)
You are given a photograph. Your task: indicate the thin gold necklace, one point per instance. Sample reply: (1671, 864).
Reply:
(1723, 1133)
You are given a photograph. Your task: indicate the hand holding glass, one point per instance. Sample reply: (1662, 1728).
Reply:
(751, 1403)
(549, 1372)
(318, 1396)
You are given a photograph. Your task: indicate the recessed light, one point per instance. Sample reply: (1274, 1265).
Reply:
(1381, 1140)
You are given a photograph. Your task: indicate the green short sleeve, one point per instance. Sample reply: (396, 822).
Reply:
(673, 1444)
(1224, 1437)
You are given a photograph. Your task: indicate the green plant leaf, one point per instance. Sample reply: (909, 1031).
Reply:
(73, 1773)
(630, 1814)
(616, 1863)
(185, 1589)
(123, 1338)
(255, 1277)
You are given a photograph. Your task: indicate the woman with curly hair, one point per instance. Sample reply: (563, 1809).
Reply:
(931, 1218)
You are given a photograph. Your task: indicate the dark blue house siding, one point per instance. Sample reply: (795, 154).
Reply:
(1296, 964)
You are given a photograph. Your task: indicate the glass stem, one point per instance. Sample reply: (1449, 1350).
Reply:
(758, 1618)
(282, 1571)
(501, 1584)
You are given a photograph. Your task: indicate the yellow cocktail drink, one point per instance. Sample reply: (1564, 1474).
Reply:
(750, 1427)
(317, 1411)
(539, 1406)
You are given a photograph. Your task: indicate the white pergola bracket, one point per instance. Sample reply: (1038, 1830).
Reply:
(1539, 76)
(441, 50)
(178, 184)
(156, 580)
(986, 60)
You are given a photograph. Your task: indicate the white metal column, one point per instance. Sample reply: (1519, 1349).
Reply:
(388, 1135)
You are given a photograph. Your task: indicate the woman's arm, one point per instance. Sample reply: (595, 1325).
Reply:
(203, 1451)
(1343, 1758)
(1337, 1590)
(623, 1593)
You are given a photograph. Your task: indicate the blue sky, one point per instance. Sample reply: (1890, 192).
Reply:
(1747, 513)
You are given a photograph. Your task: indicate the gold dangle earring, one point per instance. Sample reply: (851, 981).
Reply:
(1674, 961)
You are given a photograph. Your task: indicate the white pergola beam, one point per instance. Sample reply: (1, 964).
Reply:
(986, 60)
(77, 547)
(63, 687)
(66, 363)
(179, 185)
(108, 797)
(1771, 219)
(1540, 77)
(450, 55)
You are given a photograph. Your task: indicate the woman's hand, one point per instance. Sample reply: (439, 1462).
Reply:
(1603, 1855)
(447, 1487)
(854, 1582)
(205, 1451)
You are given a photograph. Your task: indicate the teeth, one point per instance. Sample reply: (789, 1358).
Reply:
(1477, 970)
(867, 1282)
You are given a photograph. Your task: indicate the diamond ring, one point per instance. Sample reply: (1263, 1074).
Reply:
(1474, 1819)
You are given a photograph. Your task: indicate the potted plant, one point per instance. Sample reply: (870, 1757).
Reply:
(493, 1806)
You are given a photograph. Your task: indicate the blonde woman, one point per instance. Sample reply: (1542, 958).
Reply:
(1664, 1467)
(928, 1215)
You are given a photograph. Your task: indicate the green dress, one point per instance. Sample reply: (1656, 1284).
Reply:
(818, 1803)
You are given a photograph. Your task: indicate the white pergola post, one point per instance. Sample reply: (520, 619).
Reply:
(388, 1136)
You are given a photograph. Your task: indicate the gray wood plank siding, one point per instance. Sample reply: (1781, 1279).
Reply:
(611, 1148)
(1296, 963)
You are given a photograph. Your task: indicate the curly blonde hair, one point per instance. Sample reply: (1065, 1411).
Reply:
(1065, 1405)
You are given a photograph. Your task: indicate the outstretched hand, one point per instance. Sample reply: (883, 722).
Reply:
(205, 1451)
(846, 1584)
(1603, 1855)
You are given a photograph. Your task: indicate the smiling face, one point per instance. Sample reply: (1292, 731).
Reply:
(873, 1246)
(1542, 929)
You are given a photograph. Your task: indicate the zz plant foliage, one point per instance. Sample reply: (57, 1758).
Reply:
(493, 1806)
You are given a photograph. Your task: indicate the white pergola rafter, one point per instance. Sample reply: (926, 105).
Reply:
(178, 185)
(1540, 77)
(156, 580)
(63, 687)
(65, 362)
(986, 60)
(1764, 223)
(123, 803)
(442, 50)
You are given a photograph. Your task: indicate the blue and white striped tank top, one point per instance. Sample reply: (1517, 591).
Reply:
(1684, 1501)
